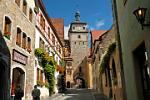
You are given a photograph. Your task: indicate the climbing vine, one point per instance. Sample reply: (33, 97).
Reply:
(106, 57)
(49, 65)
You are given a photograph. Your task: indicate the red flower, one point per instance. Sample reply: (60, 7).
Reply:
(7, 33)
(60, 69)
(29, 50)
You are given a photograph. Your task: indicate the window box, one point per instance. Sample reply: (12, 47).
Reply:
(7, 35)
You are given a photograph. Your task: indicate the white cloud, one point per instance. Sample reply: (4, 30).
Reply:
(66, 28)
(100, 23)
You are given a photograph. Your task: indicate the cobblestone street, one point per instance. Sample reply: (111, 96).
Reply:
(78, 94)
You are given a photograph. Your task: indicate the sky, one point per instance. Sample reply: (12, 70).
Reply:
(96, 13)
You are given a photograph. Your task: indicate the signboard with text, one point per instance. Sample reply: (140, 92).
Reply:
(19, 57)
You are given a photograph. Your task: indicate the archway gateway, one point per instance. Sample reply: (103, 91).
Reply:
(18, 78)
(80, 82)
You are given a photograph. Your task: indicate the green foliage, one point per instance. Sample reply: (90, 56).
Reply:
(106, 57)
(39, 52)
(62, 63)
(36, 9)
(48, 63)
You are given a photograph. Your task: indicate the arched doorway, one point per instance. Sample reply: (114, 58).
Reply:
(3, 80)
(80, 82)
(142, 69)
(18, 78)
(68, 84)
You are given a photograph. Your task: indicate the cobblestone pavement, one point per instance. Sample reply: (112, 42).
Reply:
(78, 94)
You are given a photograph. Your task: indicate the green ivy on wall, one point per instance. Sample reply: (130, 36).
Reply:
(106, 57)
(49, 65)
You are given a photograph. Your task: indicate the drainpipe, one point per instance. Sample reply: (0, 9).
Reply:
(120, 49)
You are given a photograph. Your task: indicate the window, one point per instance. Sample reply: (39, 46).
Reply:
(57, 46)
(17, 2)
(74, 42)
(24, 41)
(83, 28)
(59, 49)
(142, 69)
(29, 45)
(73, 28)
(7, 28)
(41, 44)
(79, 36)
(114, 73)
(24, 7)
(83, 43)
(69, 72)
(69, 64)
(42, 22)
(41, 76)
(48, 32)
(53, 39)
(30, 15)
(18, 37)
(80, 69)
(37, 76)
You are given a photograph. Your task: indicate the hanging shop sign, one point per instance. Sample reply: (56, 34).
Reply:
(19, 57)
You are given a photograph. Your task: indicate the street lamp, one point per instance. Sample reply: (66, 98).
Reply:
(140, 14)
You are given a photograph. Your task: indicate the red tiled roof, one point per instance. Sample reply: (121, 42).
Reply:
(96, 34)
(59, 26)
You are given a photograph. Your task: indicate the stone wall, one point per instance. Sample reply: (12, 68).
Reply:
(10, 9)
(102, 83)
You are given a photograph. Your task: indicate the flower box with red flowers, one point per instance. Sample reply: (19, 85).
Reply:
(29, 50)
(7, 33)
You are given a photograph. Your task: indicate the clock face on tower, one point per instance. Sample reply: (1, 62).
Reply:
(78, 28)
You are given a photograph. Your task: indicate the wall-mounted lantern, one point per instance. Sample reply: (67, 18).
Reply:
(140, 15)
